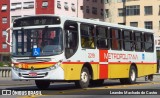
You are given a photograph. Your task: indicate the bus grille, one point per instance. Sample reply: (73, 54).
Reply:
(39, 75)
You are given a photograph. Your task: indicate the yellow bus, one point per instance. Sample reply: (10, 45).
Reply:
(49, 48)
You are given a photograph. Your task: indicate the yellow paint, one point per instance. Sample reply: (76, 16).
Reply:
(95, 68)
(72, 71)
(140, 69)
(118, 70)
(122, 70)
(146, 69)
(35, 65)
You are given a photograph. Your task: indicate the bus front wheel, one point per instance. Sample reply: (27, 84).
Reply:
(42, 84)
(84, 78)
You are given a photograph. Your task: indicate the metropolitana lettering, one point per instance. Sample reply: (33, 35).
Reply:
(119, 56)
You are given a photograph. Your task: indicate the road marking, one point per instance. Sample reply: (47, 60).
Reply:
(124, 86)
(99, 88)
(32, 96)
(70, 91)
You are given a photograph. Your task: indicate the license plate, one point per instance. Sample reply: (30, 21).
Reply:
(32, 74)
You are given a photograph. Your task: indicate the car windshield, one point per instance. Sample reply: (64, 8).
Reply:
(47, 41)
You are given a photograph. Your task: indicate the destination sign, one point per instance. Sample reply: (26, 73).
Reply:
(36, 20)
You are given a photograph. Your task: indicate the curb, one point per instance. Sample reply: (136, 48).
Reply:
(157, 74)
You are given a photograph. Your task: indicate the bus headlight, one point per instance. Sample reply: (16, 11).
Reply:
(15, 68)
(55, 66)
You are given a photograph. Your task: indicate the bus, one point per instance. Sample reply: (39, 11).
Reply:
(54, 48)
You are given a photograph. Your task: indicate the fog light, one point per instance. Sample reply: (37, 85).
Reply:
(19, 74)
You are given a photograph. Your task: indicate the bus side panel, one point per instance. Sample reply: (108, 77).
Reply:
(72, 71)
(103, 64)
(118, 70)
(95, 68)
(146, 69)
(140, 68)
(122, 70)
(103, 74)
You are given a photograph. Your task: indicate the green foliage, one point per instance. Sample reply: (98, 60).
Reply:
(1, 64)
(6, 60)
(5, 63)
(158, 57)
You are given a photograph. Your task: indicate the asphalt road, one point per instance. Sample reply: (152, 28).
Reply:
(111, 89)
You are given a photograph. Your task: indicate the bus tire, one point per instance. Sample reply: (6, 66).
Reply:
(42, 84)
(96, 82)
(84, 78)
(132, 75)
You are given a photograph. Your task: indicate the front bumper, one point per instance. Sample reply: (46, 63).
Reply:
(42, 74)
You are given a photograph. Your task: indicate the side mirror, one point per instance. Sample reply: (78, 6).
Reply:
(7, 35)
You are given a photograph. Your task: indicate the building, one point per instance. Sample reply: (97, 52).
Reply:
(4, 24)
(137, 13)
(93, 9)
(66, 7)
(20, 8)
(45, 6)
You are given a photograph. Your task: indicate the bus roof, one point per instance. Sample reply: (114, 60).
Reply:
(91, 21)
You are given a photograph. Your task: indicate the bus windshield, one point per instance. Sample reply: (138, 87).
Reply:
(48, 40)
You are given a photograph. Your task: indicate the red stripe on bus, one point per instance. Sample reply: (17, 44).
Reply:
(103, 74)
(132, 62)
(80, 62)
(37, 63)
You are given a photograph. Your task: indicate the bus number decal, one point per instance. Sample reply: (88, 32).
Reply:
(91, 55)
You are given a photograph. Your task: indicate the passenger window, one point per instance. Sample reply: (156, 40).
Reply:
(149, 42)
(138, 41)
(128, 43)
(87, 36)
(102, 38)
(116, 39)
(71, 38)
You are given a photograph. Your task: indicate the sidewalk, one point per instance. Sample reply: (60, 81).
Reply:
(5, 78)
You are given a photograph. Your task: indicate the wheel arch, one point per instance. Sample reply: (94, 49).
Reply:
(89, 67)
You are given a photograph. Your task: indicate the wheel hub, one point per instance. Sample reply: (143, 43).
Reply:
(84, 77)
(133, 75)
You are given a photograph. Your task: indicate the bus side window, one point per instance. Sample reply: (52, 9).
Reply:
(138, 41)
(128, 42)
(115, 39)
(148, 42)
(87, 36)
(71, 38)
(102, 38)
